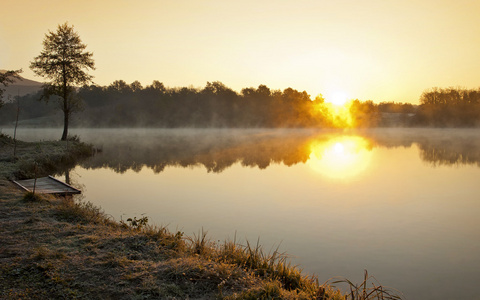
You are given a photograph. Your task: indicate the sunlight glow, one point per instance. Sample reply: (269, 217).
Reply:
(337, 98)
(340, 115)
(340, 158)
(335, 110)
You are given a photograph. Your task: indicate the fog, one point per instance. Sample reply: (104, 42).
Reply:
(218, 149)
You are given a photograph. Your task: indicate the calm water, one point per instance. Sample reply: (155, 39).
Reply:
(403, 204)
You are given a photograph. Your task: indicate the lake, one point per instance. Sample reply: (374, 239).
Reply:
(403, 204)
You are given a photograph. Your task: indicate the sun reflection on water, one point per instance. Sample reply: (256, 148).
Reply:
(341, 157)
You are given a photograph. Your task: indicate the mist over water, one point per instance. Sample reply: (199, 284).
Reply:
(217, 149)
(401, 203)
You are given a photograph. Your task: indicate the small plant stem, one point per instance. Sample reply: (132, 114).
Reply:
(15, 131)
(35, 181)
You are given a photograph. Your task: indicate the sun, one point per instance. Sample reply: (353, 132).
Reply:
(337, 98)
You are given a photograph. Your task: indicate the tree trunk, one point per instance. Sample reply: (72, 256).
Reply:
(66, 110)
(65, 126)
(67, 176)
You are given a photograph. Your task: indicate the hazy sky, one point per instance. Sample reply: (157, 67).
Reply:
(382, 50)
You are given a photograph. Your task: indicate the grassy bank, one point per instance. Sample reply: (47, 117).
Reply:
(68, 249)
(21, 160)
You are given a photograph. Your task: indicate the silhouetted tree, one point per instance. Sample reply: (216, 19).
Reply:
(119, 86)
(136, 86)
(63, 61)
(157, 86)
(6, 78)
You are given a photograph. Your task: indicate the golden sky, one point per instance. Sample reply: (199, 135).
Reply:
(383, 50)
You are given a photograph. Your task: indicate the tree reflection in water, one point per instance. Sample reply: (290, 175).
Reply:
(334, 154)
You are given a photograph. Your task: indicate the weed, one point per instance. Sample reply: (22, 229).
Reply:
(200, 245)
(269, 265)
(367, 290)
(137, 224)
(165, 238)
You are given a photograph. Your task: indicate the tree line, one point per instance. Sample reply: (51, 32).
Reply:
(122, 104)
(131, 105)
(449, 107)
(215, 105)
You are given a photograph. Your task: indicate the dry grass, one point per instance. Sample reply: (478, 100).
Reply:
(369, 288)
(48, 253)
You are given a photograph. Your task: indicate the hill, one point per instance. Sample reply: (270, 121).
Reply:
(21, 87)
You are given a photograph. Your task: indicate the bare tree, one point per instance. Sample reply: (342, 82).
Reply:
(64, 61)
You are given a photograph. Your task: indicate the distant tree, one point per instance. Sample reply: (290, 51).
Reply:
(136, 86)
(364, 113)
(6, 78)
(157, 85)
(396, 107)
(120, 86)
(64, 62)
(257, 107)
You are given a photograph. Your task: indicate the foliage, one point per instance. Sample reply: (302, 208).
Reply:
(63, 62)
(136, 224)
(450, 107)
(6, 78)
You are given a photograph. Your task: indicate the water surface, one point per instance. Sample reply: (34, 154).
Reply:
(402, 204)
